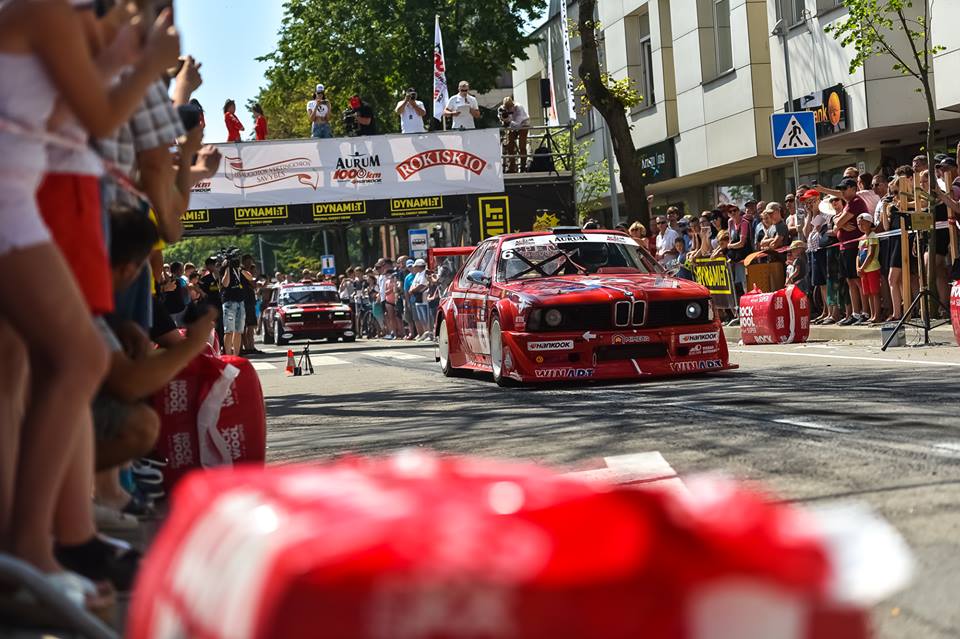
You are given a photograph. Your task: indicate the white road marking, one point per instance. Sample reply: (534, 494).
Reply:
(397, 355)
(262, 366)
(847, 357)
(646, 469)
(324, 360)
(949, 449)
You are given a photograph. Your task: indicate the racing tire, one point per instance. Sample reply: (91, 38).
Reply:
(267, 337)
(331, 340)
(443, 352)
(278, 334)
(497, 353)
(347, 340)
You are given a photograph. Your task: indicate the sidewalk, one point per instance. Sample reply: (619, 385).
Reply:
(941, 336)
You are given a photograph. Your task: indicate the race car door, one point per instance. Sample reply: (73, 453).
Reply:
(470, 300)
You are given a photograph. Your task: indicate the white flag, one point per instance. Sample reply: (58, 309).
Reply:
(552, 119)
(567, 65)
(440, 93)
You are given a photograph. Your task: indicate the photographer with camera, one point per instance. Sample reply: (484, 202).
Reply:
(359, 119)
(462, 108)
(411, 112)
(516, 123)
(318, 109)
(232, 290)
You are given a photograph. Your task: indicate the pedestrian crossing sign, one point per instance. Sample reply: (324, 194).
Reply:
(794, 134)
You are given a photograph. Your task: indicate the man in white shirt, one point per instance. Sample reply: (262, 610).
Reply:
(514, 117)
(318, 109)
(666, 237)
(411, 112)
(463, 107)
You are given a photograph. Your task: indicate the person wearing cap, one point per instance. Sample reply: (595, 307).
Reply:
(868, 265)
(848, 233)
(814, 230)
(417, 299)
(796, 263)
(318, 110)
(411, 112)
(775, 235)
(738, 229)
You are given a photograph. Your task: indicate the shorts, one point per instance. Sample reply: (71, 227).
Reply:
(848, 262)
(818, 268)
(739, 273)
(70, 205)
(21, 225)
(234, 317)
(321, 130)
(423, 313)
(870, 283)
(250, 314)
(408, 312)
(110, 415)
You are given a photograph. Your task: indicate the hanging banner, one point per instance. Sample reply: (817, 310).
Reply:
(264, 174)
(567, 64)
(552, 118)
(713, 274)
(440, 92)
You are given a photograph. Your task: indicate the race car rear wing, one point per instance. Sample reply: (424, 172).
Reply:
(452, 251)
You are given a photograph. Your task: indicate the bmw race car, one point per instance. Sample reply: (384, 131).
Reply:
(307, 311)
(574, 305)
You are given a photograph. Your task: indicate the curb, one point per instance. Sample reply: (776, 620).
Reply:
(942, 335)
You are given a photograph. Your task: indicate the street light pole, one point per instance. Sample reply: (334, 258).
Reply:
(781, 30)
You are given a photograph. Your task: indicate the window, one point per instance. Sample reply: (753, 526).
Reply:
(646, 64)
(721, 36)
(640, 59)
(796, 10)
(824, 6)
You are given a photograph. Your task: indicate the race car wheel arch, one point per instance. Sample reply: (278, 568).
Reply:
(278, 334)
(506, 312)
(445, 342)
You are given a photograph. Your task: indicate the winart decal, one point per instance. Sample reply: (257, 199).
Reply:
(564, 373)
(701, 365)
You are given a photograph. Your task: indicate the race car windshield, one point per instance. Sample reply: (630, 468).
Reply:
(308, 297)
(551, 258)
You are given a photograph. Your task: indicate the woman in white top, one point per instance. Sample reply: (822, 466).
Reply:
(45, 56)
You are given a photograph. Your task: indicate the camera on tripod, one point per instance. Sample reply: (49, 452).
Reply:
(229, 256)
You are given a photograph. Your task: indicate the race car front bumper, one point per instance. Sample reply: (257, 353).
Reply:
(620, 354)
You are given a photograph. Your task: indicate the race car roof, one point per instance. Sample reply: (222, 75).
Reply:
(307, 288)
(566, 238)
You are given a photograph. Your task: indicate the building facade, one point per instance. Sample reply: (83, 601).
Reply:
(711, 73)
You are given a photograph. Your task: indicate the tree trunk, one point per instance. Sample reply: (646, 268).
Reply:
(934, 187)
(614, 113)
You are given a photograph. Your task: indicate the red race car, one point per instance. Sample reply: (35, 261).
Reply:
(307, 310)
(573, 305)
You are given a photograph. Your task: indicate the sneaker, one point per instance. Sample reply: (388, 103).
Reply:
(861, 319)
(847, 321)
(828, 321)
(389, 337)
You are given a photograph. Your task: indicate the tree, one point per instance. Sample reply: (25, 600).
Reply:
(879, 28)
(378, 49)
(612, 99)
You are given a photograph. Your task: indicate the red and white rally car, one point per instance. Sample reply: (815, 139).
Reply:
(307, 310)
(573, 305)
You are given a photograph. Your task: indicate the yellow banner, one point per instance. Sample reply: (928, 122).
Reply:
(714, 274)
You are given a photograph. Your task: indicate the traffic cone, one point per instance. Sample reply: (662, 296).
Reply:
(290, 363)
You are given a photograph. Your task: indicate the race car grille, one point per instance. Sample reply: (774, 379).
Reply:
(629, 313)
(633, 351)
(317, 316)
(673, 313)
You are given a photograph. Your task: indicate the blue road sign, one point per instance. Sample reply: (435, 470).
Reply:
(794, 134)
(419, 242)
(328, 265)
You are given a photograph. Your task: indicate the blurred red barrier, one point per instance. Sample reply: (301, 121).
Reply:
(780, 317)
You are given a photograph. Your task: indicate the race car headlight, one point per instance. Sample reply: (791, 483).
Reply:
(534, 320)
(693, 310)
(341, 314)
(553, 317)
(294, 316)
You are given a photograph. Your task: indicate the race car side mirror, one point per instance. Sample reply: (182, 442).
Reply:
(477, 277)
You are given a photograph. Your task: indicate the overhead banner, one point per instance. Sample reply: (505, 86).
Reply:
(263, 174)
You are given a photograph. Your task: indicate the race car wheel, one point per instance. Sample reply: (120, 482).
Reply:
(347, 340)
(443, 351)
(497, 354)
(267, 337)
(278, 334)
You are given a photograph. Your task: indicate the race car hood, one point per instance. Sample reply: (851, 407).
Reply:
(586, 289)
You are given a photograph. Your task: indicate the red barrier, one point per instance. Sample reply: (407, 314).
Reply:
(211, 414)
(417, 547)
(780, 317)
(955, 309)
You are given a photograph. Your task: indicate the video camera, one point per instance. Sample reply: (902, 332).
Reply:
(349, 120)
(504, 114)
(230, 255)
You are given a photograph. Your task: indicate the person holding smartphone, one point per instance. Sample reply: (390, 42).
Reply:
(318, 110)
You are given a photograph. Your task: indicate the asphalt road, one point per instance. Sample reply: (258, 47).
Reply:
(812, 423)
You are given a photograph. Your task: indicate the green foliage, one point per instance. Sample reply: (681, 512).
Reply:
(624, 90)
(592, 179)
(378, 49)
(872, 27)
